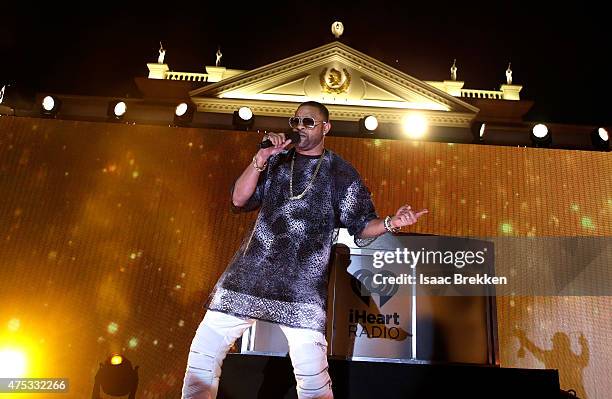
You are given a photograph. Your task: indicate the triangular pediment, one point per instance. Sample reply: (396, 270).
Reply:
(372, 91)
(338, 76)
(294, 87)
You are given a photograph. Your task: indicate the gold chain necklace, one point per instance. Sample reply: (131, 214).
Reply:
(291, 196)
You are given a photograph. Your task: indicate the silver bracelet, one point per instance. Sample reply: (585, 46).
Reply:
(389, 227)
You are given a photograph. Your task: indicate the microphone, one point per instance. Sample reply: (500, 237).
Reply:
(294, 136)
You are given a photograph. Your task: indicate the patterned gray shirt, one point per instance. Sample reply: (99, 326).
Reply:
(280, 272)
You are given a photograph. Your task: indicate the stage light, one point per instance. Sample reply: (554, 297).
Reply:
(12, 363)
(414, 126)
(540, 131)
(245, 113)
(116, 377)
(181, 109)
(600, 139)
(371, 123)
(478, 130)
(116, 109)
(120, 109)
(481, 131)
(243, 119)
(116, 359)
(183, 114)
(368, 124)
(50, 105)
(540, 135)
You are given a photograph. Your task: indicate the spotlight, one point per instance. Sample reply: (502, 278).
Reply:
(541, 136)
(116, 377)
(50, 105)
(243, 119)
(116, 360)
(13, 363)
(183, 114)
(116, 109)
(245, 113)
(368, 124)
(600, 138)
(478, 131)
(181, 109)
(414, 126)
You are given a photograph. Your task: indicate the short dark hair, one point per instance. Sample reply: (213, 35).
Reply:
(322, 108)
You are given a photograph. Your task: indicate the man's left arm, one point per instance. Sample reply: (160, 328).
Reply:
(404, 216)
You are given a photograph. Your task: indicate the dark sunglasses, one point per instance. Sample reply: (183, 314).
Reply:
(308, 122)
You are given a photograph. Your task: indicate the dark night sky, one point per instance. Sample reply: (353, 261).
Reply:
(559, 56)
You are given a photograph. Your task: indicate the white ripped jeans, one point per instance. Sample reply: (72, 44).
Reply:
(217, 333)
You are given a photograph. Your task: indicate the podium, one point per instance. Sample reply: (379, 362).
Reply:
(407, 323)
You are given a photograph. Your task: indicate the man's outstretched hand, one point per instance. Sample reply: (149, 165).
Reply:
(405, 216)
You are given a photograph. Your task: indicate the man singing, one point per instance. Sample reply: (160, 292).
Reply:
(279, 274)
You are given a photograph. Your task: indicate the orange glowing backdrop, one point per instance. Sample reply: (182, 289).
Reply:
(114, 234)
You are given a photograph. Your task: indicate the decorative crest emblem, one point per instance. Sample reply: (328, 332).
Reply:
(335, 82)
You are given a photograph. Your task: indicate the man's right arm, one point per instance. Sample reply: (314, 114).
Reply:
(247, 182)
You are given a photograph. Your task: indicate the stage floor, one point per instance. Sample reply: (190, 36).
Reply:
(247, 376)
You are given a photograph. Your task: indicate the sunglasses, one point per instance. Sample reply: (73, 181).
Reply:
(307, 121)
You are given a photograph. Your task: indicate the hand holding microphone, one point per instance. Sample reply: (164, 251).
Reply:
(273, 143)
(276, 139)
